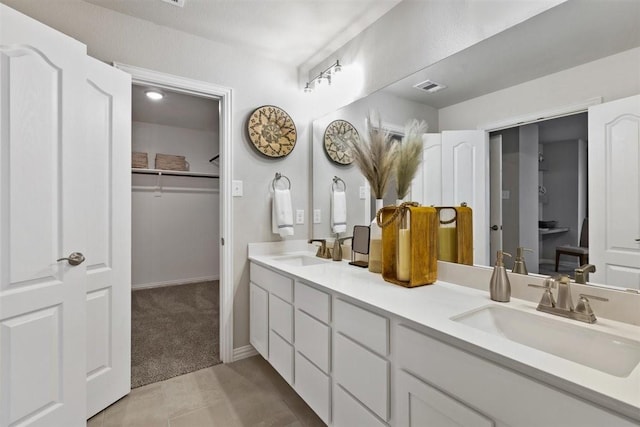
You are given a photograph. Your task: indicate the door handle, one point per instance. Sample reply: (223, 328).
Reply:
(495, 227)
(76, 258)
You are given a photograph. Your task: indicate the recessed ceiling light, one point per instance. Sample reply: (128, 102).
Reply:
(154, 95)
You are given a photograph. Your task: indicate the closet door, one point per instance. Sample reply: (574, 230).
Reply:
(614, 192)
(42, 219)
(426, 187)
(107, 142)
(465, 177)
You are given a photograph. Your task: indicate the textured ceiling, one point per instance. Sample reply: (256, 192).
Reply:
(292, 31)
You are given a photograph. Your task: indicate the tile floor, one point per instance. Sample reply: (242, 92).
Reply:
(244, 393)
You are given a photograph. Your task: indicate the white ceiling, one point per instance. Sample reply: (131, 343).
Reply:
(570, 34)
(176, 109)
(292, 31)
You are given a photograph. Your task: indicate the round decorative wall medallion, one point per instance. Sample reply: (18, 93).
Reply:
(272, 131)
(338, 138)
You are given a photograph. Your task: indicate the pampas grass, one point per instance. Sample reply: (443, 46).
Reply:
(409, 156)
(375, 157)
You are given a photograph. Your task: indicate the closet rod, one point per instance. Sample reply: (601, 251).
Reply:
(174, 173)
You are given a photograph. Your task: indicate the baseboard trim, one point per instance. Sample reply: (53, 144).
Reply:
(244, 352)
(175, 282)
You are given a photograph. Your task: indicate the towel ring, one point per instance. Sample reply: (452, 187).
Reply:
(336, 182)
(278, 177)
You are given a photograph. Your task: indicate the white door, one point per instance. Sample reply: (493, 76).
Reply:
(426, 187)
(107, 142)
(495, 209)
(42, 219)
(465, 177)
(614, 192)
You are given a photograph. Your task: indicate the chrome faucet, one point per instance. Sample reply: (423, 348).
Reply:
(564, 306)
(582, 273)
(323, 250)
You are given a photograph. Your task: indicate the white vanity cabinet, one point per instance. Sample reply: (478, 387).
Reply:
(438, 384)
(271, 318)
(358, 365)
(361, 367)
(313, 348)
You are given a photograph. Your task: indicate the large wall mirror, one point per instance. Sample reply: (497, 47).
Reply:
(590, 50)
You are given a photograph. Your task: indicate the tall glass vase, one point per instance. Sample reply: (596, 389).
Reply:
(375, 242)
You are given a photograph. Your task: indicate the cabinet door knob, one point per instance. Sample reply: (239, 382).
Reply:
(76, 258)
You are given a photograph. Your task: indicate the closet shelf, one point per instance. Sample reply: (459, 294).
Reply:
(174, 173)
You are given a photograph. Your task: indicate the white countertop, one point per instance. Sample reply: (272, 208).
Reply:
(432, 307)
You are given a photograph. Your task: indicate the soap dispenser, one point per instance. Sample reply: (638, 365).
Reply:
(519, 265)
(499, 286)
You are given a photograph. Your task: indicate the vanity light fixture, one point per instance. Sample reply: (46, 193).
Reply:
(324, 78)
(154, 94)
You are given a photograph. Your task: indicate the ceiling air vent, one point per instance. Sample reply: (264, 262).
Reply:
(430, 86)
(179, 3)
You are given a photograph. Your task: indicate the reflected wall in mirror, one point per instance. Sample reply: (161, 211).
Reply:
(394, 113)
(541, 68)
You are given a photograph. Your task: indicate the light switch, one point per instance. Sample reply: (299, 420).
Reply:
(317, 218)
(506, 194)
(363, 192)
(300, 216)
(236, 188)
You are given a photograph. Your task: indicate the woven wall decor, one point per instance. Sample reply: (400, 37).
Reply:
(272, 131)
(337, 139)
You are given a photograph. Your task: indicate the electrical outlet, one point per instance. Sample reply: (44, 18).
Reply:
(363, 192)
(300, 216)
(317, 218)
(236, 189)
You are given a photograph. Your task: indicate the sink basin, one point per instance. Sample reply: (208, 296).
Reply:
(599, 350)
(301, 260)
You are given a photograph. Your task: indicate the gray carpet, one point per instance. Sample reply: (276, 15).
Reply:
(174, 330)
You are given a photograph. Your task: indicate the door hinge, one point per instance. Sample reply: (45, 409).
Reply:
(222, 241)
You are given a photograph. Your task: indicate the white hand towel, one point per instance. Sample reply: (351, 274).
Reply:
(282, 216)
(339, 211)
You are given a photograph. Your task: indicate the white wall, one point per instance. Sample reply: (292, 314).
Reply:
(175, 228)
(528, 197)
(111, 36)
(614, 77)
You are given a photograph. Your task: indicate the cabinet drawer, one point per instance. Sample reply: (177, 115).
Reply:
(313, 302)
(258, 322)
(347, 412)
(281, 356)
(363, 374)
(313, 340)
(419, 404)
(272, 281)
(498, 392)
(281, 317)
(369, 329)
(313, 386)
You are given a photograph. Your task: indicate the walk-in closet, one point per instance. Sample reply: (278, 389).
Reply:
(544, 189)
(175, 234)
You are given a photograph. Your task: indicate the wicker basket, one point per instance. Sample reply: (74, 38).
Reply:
(139, 160)
(171, 162)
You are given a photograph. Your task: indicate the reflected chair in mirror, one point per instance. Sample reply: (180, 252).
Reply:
(581, 251)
